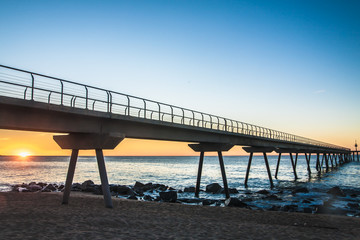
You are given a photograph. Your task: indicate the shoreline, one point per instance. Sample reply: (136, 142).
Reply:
(41, 215)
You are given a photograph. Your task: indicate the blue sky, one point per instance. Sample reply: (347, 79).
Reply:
(286, 65)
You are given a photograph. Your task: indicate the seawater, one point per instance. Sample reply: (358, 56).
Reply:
(176, 172)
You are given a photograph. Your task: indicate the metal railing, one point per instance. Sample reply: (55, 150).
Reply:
(17, 83)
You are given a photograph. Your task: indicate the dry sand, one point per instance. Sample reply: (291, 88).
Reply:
(42, 216)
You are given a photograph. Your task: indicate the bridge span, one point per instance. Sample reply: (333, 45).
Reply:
(96, 118)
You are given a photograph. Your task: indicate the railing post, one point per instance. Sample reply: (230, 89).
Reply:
(62, 93)
(32, 87)
(87, 97)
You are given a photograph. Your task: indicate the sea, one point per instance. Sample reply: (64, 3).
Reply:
(179, 172)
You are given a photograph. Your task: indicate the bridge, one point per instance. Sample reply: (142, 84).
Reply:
(96, 118)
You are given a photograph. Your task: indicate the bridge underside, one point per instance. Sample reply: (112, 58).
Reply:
(18, 114)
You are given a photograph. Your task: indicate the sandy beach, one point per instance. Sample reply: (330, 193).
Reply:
(42, 216)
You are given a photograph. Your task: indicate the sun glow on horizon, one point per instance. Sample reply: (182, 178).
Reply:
(24, 154)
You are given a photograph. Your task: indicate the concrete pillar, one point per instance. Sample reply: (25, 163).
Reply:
(262, 150)
(97, 142)
(211, 147)
(70, 175)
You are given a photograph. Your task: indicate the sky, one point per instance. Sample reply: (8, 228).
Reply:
(292, 66)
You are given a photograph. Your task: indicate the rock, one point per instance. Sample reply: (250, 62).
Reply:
(306, 201)
(336, 191)
(189, 189)
(300, 190)
(98, 190)
(263, 191)
(213, 188)
(353, 195)
(87, 186)
(50, 188)
(139, 185)
(76, 187)
(207, 202)
(307, 210)
(235, 202)
(272, 197)
(170, 196)
(61, 187)
(122, 190)
(42, 184)
(274, 208)
(148, 198)
(34, 188)
(289, 208)
(353, 205)
(132, 197)
(180, 191)
(189, 200)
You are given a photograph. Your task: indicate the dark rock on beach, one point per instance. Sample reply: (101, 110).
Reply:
(207, 202)
(213, 188)
(336, 191)
(263, 192)
(170, 196)
(300, 190)
(235, 202)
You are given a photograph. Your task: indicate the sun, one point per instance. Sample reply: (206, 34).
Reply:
(24, 154)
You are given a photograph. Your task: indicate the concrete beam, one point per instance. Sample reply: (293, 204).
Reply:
(258, 149)
(211, 147)
(88, 141)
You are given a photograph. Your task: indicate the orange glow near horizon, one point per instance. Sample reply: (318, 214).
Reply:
(22, 143)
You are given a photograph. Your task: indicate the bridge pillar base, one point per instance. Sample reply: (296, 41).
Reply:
(86, 141)
(211, 147)
(263, 150)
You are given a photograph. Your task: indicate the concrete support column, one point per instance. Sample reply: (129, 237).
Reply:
(70, 175)
(201, 161)
(277, 166)
(211, 147)
(262, 150)
(97, 142)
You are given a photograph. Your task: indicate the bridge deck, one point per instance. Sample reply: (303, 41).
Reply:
(35, 102)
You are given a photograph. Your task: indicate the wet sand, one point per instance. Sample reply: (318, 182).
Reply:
(42, 216)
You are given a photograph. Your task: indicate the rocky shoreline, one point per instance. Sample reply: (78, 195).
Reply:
(300, 199)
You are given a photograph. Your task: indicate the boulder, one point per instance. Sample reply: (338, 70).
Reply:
(148, 198)
(307, 210)
(300, 190)
(132, 197)
(189, 189)
(87, 186)
(170, 196)
(235, 202)
(50, 188)
(289, 208)
(213, 188)
(122, 190)
(263, 192)
(353, 206)
(34, 188)
(336, 191)
(207, 202)
(272, 197)
(76, 187)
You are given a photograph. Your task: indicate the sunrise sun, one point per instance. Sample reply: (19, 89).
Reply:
(24, 154)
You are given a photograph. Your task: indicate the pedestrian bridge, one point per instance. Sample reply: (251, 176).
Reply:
(96, 118)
